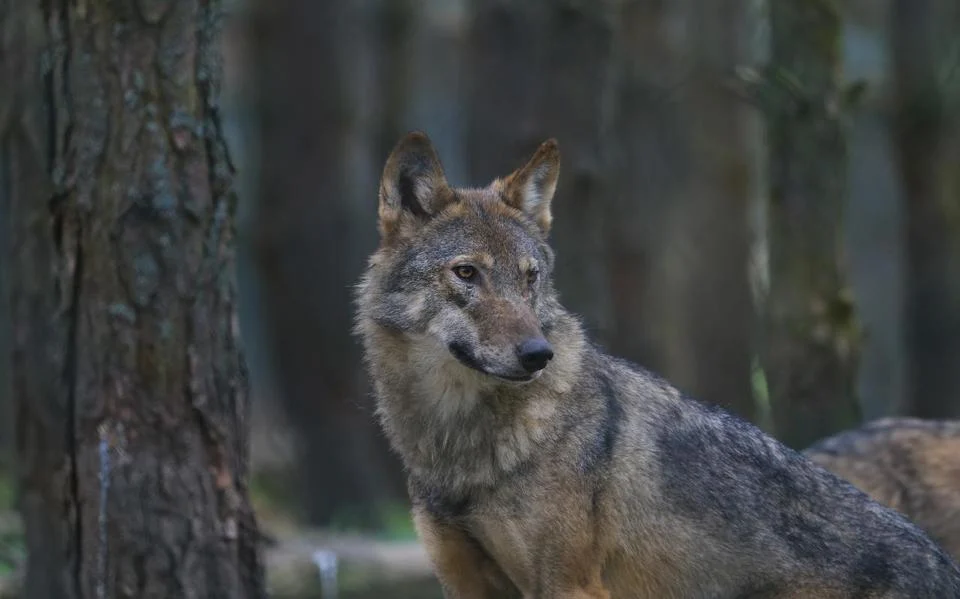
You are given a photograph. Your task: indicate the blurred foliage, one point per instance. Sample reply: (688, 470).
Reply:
(7, 490)
(761, 395)
(397, 523)
(13, 550)
(277, 504)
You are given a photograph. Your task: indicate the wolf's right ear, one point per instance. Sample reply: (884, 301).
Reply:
(413, 187)
(530, 189)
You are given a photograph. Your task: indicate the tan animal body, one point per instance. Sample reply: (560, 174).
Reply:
(540, 467)
(909, 464)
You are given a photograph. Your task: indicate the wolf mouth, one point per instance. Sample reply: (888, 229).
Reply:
(465, 357)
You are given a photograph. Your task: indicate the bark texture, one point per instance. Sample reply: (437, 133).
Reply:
(811, 344)
(130, 389)
(928, 148)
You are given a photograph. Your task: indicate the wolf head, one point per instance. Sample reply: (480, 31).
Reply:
(462, 276)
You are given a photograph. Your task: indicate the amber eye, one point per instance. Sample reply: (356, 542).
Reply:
(532, 276)
(465, 272)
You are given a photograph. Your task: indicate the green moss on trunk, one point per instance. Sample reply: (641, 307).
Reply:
(812, 336)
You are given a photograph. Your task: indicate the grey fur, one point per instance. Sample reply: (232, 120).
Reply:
(596, 468)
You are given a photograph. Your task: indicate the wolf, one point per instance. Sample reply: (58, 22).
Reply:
(540, 467)
(909, 464)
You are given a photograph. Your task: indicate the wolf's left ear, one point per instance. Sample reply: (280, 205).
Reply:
(413, 187)
(530, 189)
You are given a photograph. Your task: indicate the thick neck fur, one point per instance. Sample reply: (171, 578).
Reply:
(433, 407)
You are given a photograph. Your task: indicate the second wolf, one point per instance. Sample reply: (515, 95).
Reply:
(909, 464)
(540, 467)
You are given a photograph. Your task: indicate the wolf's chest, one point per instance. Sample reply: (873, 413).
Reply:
(510, 540)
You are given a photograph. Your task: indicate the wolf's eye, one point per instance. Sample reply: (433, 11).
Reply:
(532, 276)
(465, 272)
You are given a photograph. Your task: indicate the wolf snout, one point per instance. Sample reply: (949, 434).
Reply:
(534, 353)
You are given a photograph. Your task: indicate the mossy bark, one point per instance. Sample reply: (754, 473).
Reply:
(811, 339)
(128, 376)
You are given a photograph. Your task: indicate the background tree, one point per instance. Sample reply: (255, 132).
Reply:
(928, 149)
(128, 377)
(543, 69)
(650, 162)
(315, 215)
(710, 219)
(811, 340)
(12, 79)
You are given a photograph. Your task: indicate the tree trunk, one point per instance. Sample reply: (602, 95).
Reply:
(21, 36)
(434, 81)
(128, 377)
(812, 335)
(927, 141)
(541, 69)
(712, 217)
(6, 391)
(316, 211)
(650, 161)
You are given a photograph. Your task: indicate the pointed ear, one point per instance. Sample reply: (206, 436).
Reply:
(413, 187)
(530, 189)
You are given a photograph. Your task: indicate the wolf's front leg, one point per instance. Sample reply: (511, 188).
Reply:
(464, 569)
(585, 586)
(572, 555)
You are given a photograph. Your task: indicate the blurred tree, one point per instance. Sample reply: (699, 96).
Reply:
(811, 343)
(650, 162)
(128, 377)
(540, 69)
(711, 218)
(14, 68)
(928, 149)
(603, 78)
(316, 214)
(435, 53)
(11, 36)
(873, 219)
(6, 392)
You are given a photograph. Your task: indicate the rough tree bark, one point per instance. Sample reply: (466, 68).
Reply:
(927, 139)
(128, 376)
(316, 211)
(542, 69)
(811, 343)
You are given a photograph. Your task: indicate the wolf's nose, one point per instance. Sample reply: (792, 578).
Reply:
(534, 354)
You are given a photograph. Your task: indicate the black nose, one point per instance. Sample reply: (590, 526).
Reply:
(534, 354)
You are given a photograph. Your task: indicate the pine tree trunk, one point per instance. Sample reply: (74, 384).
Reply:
(928, 138)
(128, 376)
(812, 336)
